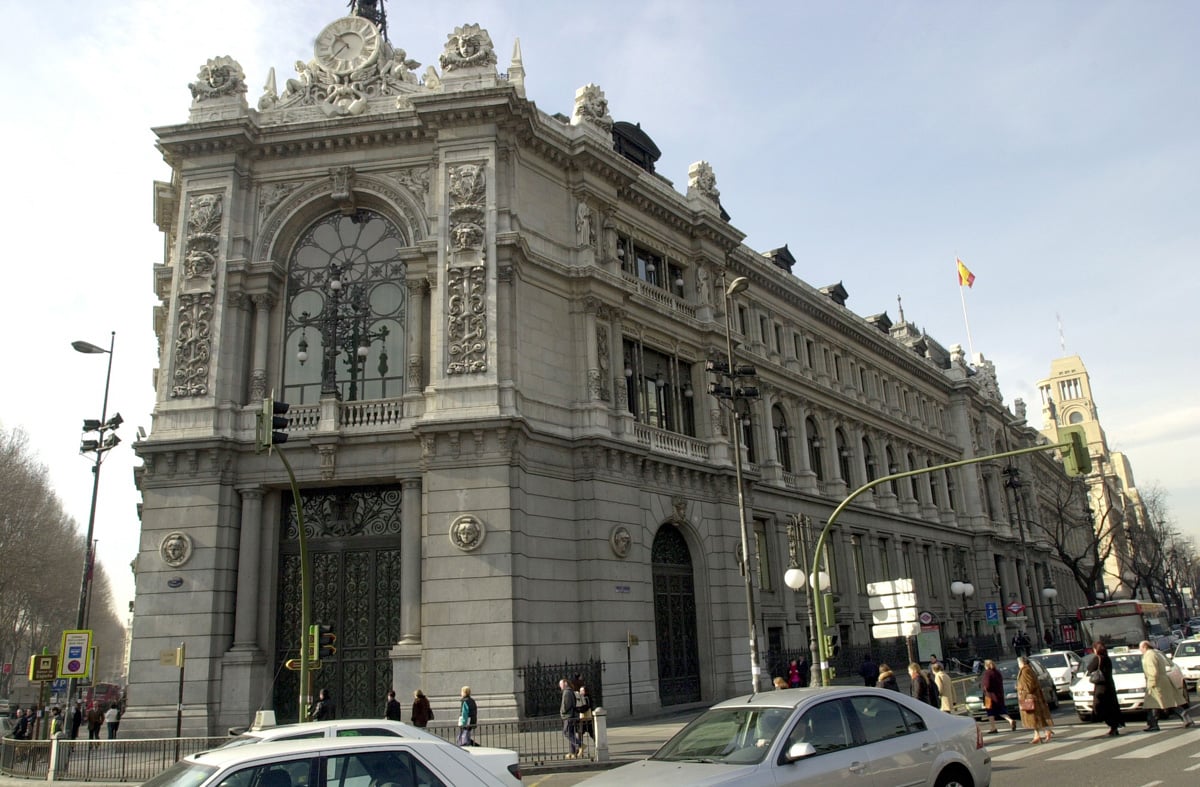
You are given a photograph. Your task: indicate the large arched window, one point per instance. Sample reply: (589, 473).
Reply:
(814, 449)
(347, 298)
(843, 456)
(782, 445)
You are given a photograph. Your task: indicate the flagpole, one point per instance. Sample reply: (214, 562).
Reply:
(966, 322)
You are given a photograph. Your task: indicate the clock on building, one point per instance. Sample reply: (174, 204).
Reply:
(347, 44)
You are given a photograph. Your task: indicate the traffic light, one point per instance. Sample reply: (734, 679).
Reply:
(1076, 458)
(320, 642)
(267, 424)
(831, 644)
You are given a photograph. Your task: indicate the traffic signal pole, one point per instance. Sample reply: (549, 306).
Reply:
(1075, 460)
(305, 589)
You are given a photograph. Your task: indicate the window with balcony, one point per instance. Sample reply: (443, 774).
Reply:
(659, 389)
(783, 445)
(814, 448)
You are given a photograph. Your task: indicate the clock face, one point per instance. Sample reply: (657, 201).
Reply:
(347, 44)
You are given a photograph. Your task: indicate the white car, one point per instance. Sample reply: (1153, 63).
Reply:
(815, 737)
(502, 762)
(1187, 658)
(326, 762)
(1129, 679)
(1063, 665)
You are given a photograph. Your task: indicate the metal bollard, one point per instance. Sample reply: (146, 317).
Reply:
(600, 724)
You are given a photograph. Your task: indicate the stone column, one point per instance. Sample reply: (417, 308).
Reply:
(262, 330)
(416, 339)
(410, 560)
(245, 622)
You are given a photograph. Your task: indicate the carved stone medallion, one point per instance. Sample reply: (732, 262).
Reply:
(175, 549)
(467, 532)
(620, 540)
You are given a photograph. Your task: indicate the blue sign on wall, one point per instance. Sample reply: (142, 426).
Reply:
(992, 610)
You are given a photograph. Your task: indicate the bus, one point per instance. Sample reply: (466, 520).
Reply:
(1125, 623)
(103, 694)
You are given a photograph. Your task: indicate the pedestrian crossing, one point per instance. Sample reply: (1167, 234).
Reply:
(1086, 742)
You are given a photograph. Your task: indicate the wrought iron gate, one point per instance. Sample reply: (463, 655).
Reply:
(675, 618)
(354, 544)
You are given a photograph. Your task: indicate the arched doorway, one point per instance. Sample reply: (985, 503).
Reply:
(675, 618)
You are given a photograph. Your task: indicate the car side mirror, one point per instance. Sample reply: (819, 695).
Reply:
(798, 751)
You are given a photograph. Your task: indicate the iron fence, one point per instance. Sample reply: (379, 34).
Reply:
(542, 695)
(120, 760)
(536, 741)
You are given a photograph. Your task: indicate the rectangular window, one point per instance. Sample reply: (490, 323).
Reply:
(837, 368)
(808, 353)
(931, 586)
(906, 556)
(778, 338)
(743, 319)
(885, 560)
(860, 564)
(764, 332)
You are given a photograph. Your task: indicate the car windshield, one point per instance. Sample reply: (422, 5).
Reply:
(1187, 649)
(1127, 664)
(240, 740)
(733, 736)
(182, 774)
(1051, 660)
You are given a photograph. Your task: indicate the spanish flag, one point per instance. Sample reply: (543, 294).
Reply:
(965, 277)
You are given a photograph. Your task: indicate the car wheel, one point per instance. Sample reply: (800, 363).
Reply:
(1085, 717)
(954, 776)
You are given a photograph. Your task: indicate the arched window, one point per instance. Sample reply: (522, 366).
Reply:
(346, 302)
(843, 455)
(891, 467)
(782, 444)
(868, 459)
(912, 479)
(814, 448)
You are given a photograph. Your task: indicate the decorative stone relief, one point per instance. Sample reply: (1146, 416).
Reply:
(192, 344)
(985, 375)
(467, 188)
(591, 107)
(620, 540)
(342, 191)
(175, 549)
(1019, 408)
(468, 46)
(271, 194)
(703, 285)
(603, 362)
(466, 320)
(203, 236)
(702, 181)
(583, 224)
(467, 532)
(415, 179)
(432, 81)
(218, 78)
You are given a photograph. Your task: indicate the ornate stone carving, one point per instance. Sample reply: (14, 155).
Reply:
(620, 540)
(467, 532)
(342, 191)
(466, 320)
(432, 80)
(415, 179)
(175, 549)
(583, 224)
(468, 46)
(203, 236)
(192, 344)
(258, 384)
(702, 180)
(592, 107)
(219, 77)
(603, 362)
(272, 194)
(703, 285)
(328, 461)
(467, 188)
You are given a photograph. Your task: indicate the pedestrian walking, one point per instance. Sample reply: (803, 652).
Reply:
(391, 710)
(95, 717)
(1021, 644)
(76, 719)
(56, 722)
(112, 717)
(918, 685)
(948, 697)
(887, 679)
(1104, 691)
(992, 683)
(869, 672)
(805, 669)
(324, 708)
(422, 713)
(468, 717)
(583, 704)
(793, 674)
(1035, 713)
(568, 711)
(1162, 696)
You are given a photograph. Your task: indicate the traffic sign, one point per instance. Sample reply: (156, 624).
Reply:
(294, 664)
(992, 611)
(891, 587)
(903, 615)
(1015, 608)
(890, 630)
(75, 654)
(892, 602)
(42, 667)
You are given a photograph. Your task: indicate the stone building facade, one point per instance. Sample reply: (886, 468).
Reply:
(492, 326)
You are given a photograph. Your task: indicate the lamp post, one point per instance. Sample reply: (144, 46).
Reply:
(1013, 482)
(799, 534)
(106, 439)
(964, 590)
(727, 393)
(1049, 593)
(344, 327)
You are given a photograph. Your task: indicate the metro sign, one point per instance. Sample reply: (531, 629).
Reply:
(1015, 608)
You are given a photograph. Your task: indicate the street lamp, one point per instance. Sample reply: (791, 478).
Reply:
(1049, 593)
(104, 441)
(799, 534)
(344, 327)
(964, 590)
(735, 390)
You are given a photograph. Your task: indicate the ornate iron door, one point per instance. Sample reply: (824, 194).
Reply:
(675, 619)
(354, 545)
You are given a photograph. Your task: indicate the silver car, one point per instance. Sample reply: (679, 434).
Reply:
(811, 737)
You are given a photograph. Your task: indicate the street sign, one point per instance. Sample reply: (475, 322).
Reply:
(890, 630)
(294, 664)
(75, 654)
(1015, 608)
(892, 602)
(891, 587)
(42, 667)
(992, 611)
(7, 668)
(903, 615)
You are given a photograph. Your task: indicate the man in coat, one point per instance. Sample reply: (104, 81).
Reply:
(1162, 697)
(568, 711)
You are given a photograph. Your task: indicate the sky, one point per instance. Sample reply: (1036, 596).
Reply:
(1053, 146)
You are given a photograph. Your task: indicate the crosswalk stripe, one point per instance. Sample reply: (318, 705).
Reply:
(1161, 746)
(1106, 745)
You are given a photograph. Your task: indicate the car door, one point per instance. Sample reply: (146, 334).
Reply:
(901, 748)
(839, 759)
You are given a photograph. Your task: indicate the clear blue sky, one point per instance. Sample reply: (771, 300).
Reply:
(1054, 146)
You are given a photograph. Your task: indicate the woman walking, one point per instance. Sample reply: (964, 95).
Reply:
(1035, 713)
(887, 679)
(992, 683)
(421, 712)
(1104, 692)
(945, 687)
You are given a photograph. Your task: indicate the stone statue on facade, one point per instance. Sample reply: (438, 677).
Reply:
(592, 107)
(219, 77)
(468, 46)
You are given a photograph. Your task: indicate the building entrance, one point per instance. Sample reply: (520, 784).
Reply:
(675, 618)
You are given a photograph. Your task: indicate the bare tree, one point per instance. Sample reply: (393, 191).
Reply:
(1068, 524)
